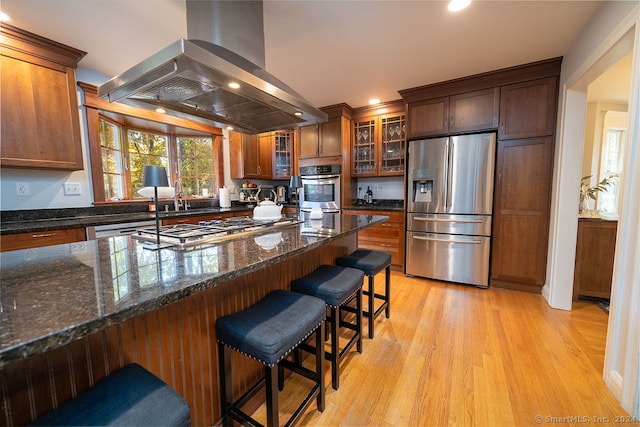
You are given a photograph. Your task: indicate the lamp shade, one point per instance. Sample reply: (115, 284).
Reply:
(154, 176)
(295, 182)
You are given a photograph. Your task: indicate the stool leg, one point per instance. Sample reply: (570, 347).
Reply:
(226, 385)
(359, 319)
(370, 315)
(387, 285)
(335, 350)
(271, 375)
(320, 366)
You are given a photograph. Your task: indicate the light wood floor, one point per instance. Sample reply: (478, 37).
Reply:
(459, 355)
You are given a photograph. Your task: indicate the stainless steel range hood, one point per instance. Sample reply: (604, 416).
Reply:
(190, 78)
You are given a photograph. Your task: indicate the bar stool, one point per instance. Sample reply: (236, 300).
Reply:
(337, 286)
(130, 396)
(266, 332)
(371, 263)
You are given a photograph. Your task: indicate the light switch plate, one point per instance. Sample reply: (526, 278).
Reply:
(72, 188)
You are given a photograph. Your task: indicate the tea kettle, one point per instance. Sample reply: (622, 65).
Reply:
(267, 210)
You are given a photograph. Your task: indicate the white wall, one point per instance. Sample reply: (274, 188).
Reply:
(598, 45)
(47, 186)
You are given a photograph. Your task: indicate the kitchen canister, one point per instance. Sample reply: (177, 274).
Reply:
(225, 198)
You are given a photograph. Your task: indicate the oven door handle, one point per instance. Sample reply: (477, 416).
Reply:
(319, 176)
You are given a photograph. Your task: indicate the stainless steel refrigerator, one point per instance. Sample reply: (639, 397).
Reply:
(449, 206)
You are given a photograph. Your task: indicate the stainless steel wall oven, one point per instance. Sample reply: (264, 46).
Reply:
(320, 188)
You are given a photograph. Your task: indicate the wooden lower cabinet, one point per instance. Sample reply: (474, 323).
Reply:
(522, 199)
(595, 252)
(14, 242)
(388, 236)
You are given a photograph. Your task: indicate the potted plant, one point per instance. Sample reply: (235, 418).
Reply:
(588, 193)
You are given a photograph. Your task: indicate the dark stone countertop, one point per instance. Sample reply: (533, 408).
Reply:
(53, 295)
(377, 205)
(87, 217)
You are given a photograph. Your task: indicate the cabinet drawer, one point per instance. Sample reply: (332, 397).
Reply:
(14, 242)
(394, 249)
(384, 231)
(394, 216)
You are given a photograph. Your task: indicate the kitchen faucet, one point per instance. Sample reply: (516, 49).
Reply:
(177, 194)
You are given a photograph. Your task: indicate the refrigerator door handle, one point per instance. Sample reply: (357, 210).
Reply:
(465, 221)
(449, 173)
(431, 239)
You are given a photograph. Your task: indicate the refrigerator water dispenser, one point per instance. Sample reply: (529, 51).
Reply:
(422, 191)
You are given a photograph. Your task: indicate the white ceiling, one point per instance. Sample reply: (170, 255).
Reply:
(328, 51)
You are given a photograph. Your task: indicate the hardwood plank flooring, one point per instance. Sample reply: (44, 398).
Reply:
(462, 356)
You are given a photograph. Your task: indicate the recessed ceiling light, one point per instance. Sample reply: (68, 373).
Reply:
(4, 17)
(229, 128)
(374, 101)
(457, 5)
(160, 110)
(234, 85)
(297, 113)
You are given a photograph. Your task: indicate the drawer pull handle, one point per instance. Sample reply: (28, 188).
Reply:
(35, 236)
(470, 221)
(431, 239)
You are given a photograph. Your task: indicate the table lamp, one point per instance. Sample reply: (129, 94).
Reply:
(296, 183)
(155, 176)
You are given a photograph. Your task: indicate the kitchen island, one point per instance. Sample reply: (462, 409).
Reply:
(71, 314)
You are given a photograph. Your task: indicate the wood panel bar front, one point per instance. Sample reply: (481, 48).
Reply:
(175, 342)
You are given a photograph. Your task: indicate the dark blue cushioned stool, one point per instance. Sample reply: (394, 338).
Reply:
(266, 332)
(371, 263)
(130, 396)
(337, 286)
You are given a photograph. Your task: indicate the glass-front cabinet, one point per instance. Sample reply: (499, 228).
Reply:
(379, 141)
(393, 145)
(364, 147)
(283, 154)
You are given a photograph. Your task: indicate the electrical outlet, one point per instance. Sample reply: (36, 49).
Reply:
(23, 189)
(72, 188)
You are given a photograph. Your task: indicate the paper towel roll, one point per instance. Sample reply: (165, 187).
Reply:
(225, 198)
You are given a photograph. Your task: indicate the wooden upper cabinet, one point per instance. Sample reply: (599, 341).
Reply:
(466, 112)
(309, 139)
(40, 125)
(428, 118)
(474, 111)
(330, 141)
(528, 109)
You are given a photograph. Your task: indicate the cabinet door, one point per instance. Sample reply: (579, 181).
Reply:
(474, 111)
(595, 253)
(392, 145)
(266, 146)
(528, 109)
(309, 139)
(250, 156)
(427, 118)
(40, 123)
(330, 139)
(521, 212)
(282, 155)
(364, 147)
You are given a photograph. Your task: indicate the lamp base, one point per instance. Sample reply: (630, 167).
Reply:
(155, 246)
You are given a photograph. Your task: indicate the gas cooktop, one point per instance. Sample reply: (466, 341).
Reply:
(183, 236)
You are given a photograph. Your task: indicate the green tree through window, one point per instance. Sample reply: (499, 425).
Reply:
(195, 165)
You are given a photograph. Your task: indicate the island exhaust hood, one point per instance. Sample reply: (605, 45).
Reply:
(190, 78)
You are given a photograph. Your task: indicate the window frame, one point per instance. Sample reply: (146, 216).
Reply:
(94, 105)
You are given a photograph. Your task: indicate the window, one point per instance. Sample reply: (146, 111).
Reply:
(145, 149)
(195, 165)
(112, 160)
(612, 159)
(187, 158)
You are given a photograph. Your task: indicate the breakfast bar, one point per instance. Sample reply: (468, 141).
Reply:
(71, 314)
